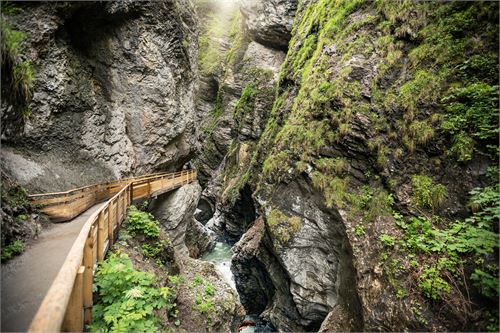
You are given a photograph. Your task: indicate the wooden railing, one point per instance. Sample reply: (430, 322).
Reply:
(68, 303)
(64, 206)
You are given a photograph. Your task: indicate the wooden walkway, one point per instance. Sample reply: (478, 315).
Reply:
(49, 287)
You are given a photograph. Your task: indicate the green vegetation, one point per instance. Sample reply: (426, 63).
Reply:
(245, 104)
(444, 248)
(14, 248)
(452, 93)
(369, 205)
(387, 240)
(143, 223)
(282, 227)
(9, 8)
(152, 250)
(128, 298)
(204, 298)
(472, 114)
(18, 73)
(432, 284)
(333, 188)
(15, 195)
(426, 193)
(211, 54)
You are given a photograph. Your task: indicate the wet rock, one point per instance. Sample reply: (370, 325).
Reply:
(175, 211)
(199, 240)
(261, 282)
(204, 210)
(270, 22)
(256, 290)
(321, 277)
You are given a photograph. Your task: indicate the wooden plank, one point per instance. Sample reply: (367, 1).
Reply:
(73, 319)
(101, 236)
(88, 262)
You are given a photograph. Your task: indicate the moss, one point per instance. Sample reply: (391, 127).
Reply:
(18, 74)
(334, 166)
(282, 226)
(276, 166)
(428, 51)
(245, 103)
(333, 188)
(238, 39)
(15, 196)
(424, 88)
(370, 203)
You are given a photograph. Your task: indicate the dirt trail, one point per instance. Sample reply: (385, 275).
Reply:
(27, 278)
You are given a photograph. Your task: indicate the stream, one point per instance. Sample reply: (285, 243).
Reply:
(220, 256)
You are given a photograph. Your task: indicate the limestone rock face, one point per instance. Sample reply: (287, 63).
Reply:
(175, 212)
(114, 85)
(270, 22)
(315, 273)
(199, 240)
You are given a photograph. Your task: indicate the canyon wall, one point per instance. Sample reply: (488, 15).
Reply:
(368, 146)
(112, 93)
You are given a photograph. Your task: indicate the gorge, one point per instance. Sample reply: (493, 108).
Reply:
(346, 156)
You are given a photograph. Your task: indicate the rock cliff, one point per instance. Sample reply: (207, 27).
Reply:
(364, 151)
(112, 91)
(348, 149)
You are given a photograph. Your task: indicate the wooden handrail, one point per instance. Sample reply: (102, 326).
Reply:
(57, 204)
(68, 303)
(110, 182)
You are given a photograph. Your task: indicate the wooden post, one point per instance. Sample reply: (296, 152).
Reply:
(118, 210)
(131, 193)
(100, 237)
(73, 319)
(110, 223)
(88, 262)
(125, 204)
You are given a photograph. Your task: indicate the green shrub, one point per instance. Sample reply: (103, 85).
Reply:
(426, 193)
(484, 204)
(127, 297)
(152, 250)
(432, 284)
(472, 114)
(11, 250)
(143, 223)
(387, 240)
(486, 282)
(457, 243)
